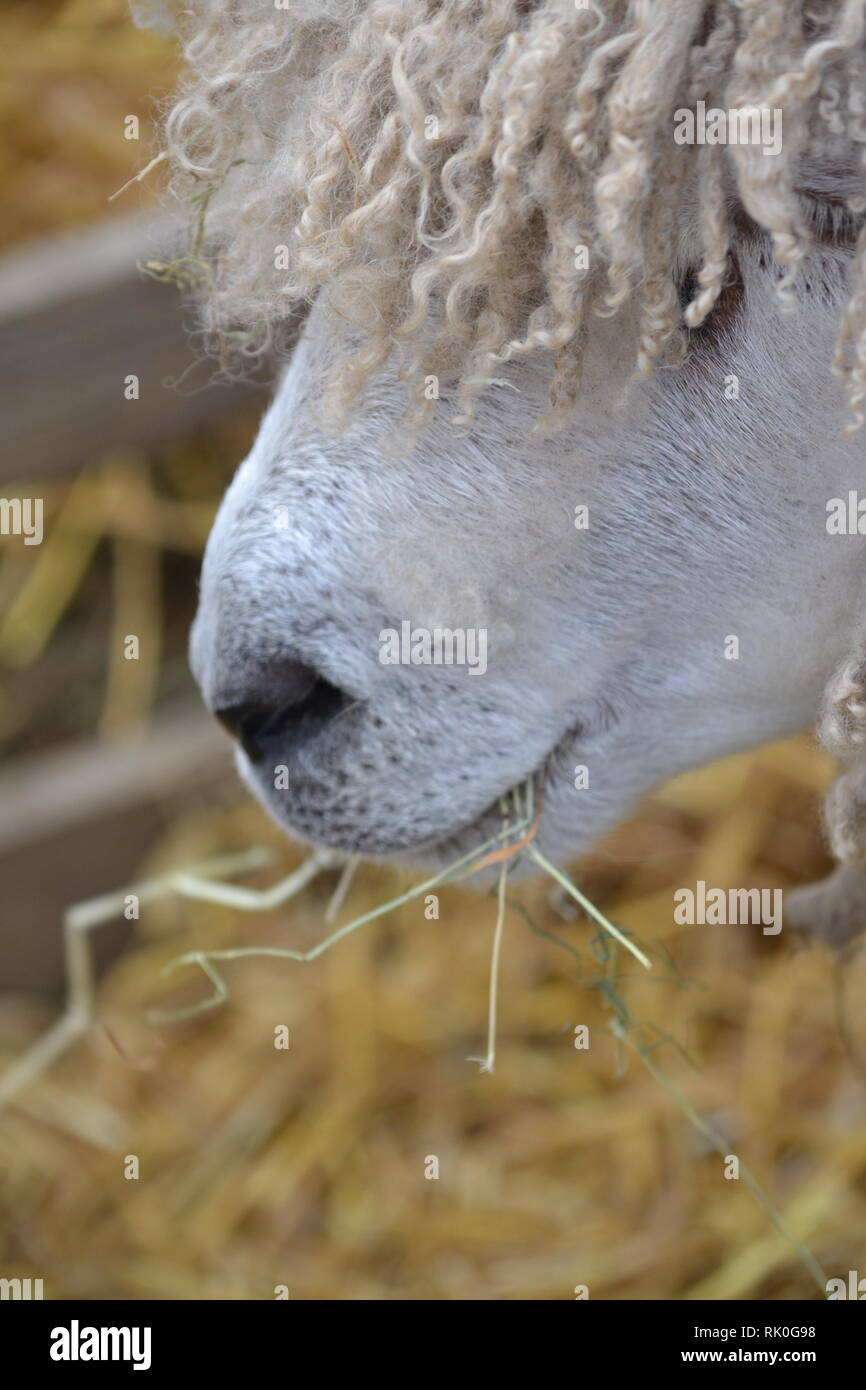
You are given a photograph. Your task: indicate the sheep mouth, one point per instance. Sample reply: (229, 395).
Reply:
(437, 848)
(439, 851)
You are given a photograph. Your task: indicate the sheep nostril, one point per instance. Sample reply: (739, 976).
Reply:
(312, 703)
(246, 723)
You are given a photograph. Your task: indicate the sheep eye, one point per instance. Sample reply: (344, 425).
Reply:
(829, 217)
(724, 314)
(831, 221)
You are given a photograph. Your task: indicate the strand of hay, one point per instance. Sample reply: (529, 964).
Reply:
(204, 885)
(142, 174)
(629, 1034)
(78, 921)
(625, 1034)
(487, 1063)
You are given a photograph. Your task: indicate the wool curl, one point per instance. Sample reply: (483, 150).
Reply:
(470, 181)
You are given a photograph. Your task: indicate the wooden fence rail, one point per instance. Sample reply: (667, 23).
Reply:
(76, 318)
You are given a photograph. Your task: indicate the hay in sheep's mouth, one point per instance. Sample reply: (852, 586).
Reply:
(453, 843)
(520, 811)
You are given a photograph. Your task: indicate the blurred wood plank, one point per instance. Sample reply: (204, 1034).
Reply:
(80, 820)
(52, 791)
(77, 317)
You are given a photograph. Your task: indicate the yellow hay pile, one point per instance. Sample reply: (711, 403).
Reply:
(306, 1168)
(71, 73)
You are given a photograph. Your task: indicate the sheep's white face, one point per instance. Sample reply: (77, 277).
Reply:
(700, 610)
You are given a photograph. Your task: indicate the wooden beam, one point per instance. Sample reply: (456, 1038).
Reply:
(45, 793)
(80, 821)
(77, 317)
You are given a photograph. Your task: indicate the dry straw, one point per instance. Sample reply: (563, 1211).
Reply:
(520, 820)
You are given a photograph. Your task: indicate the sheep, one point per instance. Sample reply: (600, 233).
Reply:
(583, 370)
